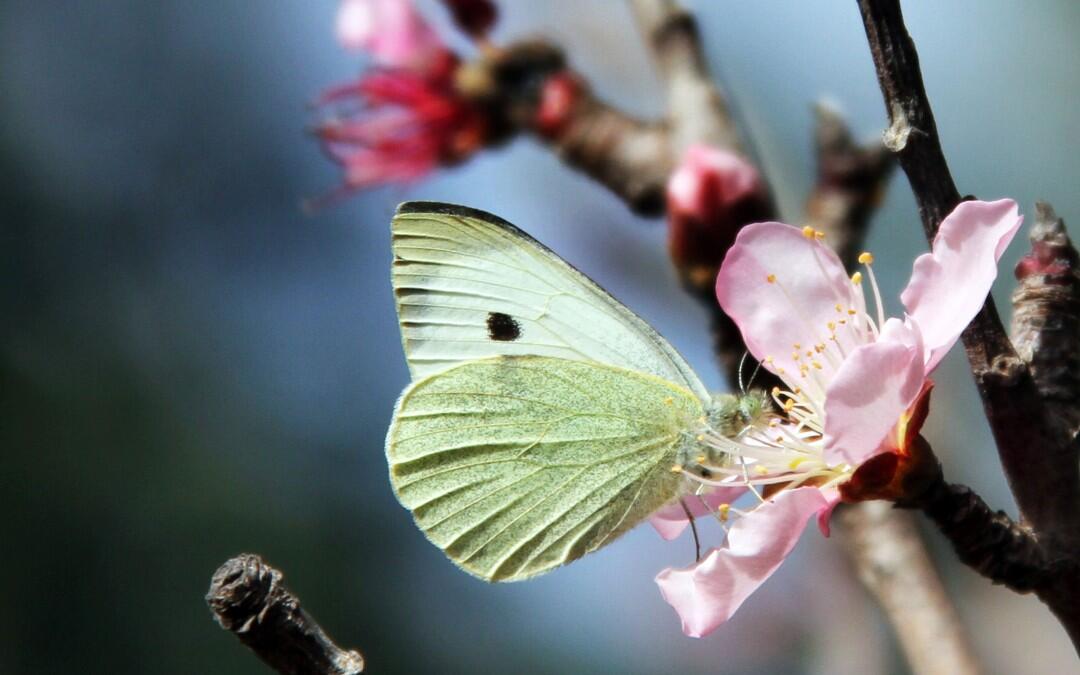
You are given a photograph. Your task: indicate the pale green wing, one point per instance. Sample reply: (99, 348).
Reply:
(516, 465)
(470, 285)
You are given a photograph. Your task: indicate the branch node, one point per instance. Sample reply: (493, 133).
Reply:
(248, 599)
(895, 137)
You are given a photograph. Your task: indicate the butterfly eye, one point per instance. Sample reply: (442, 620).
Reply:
(502, 327)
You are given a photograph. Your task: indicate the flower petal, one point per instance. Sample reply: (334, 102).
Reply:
(808, 283)
(871, 390)
(707, 593)
(670, 520)
(949, 284)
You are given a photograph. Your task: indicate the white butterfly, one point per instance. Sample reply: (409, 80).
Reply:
(544, 418)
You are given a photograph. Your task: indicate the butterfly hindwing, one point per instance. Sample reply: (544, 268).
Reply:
(469, 285)
(514, 465)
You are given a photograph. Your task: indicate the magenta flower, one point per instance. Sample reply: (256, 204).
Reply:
(391, 31)
(853, 382)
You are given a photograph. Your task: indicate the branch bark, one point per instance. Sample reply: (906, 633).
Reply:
(891, 561)
(1038, 450)
(697, 111)
(248, 599)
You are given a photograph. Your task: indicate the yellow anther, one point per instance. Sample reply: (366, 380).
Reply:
(819, 347)
(831, 325)
(676, 468)
(843, 322)
(771, 278)
(760, 470)
(839, 308)
(768, 359)
(796, 462)
(808, 232)
(796, 355)
(819, 235)
(856, 278)
(776, 391)
(797, 345)
(779, 439)
(788, 405)
(701, 459)
(798, 390)
(700, 437)
(851, 311)
(866, 258)
(780, 371)
(723, 510)
(816, 364)
(809, 352)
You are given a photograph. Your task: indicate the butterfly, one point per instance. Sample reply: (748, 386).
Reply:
(544, 418)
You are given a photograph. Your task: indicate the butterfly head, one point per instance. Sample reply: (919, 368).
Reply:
(733, 415)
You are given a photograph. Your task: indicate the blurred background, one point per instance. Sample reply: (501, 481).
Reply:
(191, 367)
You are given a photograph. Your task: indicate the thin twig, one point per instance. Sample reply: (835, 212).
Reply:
(248, 599)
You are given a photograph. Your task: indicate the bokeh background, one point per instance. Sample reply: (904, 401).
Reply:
(191, 367)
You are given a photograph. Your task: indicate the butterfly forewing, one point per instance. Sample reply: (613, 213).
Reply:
(470, 285)
(514, 465)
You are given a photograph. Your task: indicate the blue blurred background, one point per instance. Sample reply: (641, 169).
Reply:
(190, 367)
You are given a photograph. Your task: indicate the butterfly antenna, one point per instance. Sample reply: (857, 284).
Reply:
(693, 528)
(742, 362)
(753, 374)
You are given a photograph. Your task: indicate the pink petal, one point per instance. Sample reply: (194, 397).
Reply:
(670, 520)
(872, 388)
(797, 307)
(392, 31)
(949, 284)
(707, 593)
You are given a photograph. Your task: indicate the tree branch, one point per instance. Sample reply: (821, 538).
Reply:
(1037, 448)
(697, 111)
(248, 599)
(891, 561)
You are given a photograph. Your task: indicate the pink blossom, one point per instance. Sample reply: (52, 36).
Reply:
(398, 125)
(391, 31)
(856, 383)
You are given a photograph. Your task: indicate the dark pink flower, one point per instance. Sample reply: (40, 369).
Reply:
(397, 125)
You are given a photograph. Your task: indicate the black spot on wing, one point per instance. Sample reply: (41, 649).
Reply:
(502, 327)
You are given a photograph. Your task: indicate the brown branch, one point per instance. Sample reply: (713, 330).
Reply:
(850, 183)
(891, 561)
(248, 599)
(1046, 316)
(1037, 449)
(697, 111)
